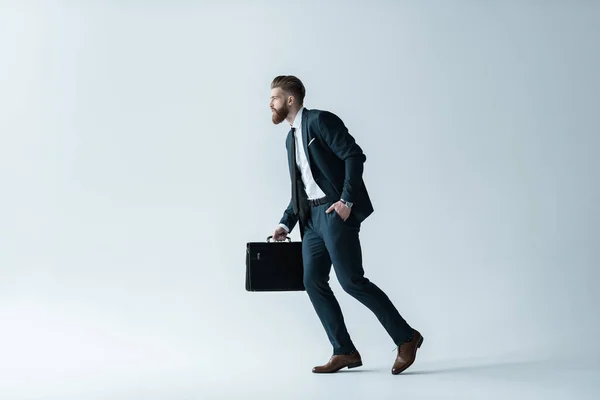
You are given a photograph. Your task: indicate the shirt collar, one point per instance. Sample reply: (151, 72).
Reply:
(298, 119)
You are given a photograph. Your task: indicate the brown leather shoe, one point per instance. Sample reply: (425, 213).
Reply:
(337, 362)
(407, 353)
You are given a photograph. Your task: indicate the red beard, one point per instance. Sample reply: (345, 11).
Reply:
(278, 116)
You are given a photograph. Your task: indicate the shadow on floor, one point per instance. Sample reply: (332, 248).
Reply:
(522, 367)
(510, 365)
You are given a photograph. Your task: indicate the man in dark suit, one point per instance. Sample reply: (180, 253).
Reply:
(329, 202)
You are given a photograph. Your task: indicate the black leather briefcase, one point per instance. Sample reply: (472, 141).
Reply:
(274, 266)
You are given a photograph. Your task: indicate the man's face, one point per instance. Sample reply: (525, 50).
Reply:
(279, 106)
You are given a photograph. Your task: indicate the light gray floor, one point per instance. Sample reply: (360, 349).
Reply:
(544, 380)
(250, 379)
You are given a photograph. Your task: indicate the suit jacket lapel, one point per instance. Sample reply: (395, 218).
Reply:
(289, 150)
(305, 133)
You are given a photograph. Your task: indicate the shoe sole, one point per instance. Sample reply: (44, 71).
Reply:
(353, 365)
(413, 360)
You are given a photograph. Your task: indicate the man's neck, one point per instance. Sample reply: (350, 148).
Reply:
(292, 116)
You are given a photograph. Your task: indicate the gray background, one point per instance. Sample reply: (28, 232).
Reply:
(137, 158)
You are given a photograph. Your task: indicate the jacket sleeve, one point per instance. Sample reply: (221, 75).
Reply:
(289, 219)
(343, 145)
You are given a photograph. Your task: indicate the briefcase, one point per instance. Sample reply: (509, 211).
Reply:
(274, 266)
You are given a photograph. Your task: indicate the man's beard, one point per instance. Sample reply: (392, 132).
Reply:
(278, 116)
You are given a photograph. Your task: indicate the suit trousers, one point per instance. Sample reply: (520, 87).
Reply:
(328, 239)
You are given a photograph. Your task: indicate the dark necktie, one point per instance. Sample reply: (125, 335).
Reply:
(295, 202)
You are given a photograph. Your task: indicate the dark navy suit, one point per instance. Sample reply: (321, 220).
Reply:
(336, 163)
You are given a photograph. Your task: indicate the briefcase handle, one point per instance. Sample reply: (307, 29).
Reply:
(288, 238)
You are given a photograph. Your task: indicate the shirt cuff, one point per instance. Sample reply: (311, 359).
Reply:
(285, 227)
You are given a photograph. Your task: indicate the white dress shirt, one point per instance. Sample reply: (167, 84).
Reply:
(313, 191)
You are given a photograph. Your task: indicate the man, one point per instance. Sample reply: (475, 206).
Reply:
(330, 201)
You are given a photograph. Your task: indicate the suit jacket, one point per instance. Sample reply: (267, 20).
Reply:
(336, 162)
